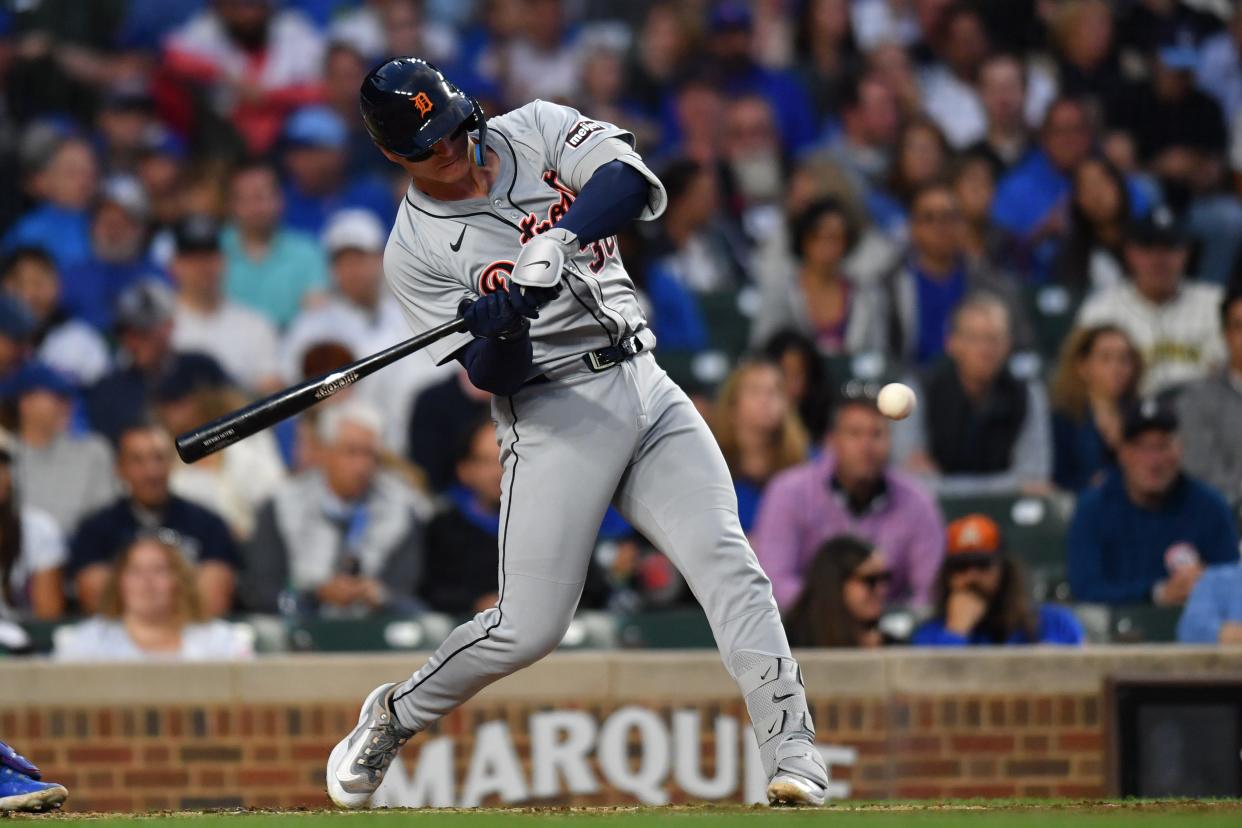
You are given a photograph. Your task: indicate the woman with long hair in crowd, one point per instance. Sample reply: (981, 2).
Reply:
(843, 597)
(32, 551)
(1090, 257)
(980, 596)
(758, 431)
(921, 156)
(807, 383)
(1098, 374)
(823, 302)
(151, 610)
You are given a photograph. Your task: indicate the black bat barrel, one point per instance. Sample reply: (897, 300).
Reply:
(264, 413)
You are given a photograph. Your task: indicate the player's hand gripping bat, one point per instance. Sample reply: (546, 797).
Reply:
(242, 423)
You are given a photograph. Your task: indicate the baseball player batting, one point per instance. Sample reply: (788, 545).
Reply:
(510, 223)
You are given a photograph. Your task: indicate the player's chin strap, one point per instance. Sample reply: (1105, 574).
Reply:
(776, 700)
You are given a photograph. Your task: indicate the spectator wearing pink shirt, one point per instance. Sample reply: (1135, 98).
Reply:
(849, 489)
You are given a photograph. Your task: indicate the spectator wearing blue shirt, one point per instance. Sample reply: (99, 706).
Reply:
(758, 431)
(1097, 378)
(730, 45)
(1148, 531)
(118, 256)
(63, 180)
(925, 290)
(144, 455)
(316, 143)
(1032, 200)
(144, 325)
(981, 596)
(1213, 614)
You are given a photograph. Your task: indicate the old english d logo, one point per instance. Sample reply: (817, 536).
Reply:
(422, 103)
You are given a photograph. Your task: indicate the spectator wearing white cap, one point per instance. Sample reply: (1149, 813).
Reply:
(272, 268)
(240, 339)
(363, 316)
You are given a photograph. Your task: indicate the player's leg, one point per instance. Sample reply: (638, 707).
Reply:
(678, 493)
(563, 448)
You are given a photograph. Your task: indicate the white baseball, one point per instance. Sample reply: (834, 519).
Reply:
(895, 401)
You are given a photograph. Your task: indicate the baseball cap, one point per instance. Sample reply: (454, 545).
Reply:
(730, 16)
(125, 192)
(1177, 51)
(354, 229)
(196, 234)
(1159, 228)
(316, 126)
(15, 319)
(145, 305)
(158, 139)
(128, 96)
(974, 537)
(187, 376)
(37, 376)
(1148, 415)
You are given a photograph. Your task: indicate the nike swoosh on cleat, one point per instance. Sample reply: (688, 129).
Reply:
(777, 698)
(773, 727)
(457, 246)
(764, 677)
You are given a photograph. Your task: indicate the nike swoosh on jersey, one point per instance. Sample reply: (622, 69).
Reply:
(456, 247)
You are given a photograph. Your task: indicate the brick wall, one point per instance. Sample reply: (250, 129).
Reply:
(915, 747)
(928, 729)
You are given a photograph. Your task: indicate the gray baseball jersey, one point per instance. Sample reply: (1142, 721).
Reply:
(625, 436)
(441, 253)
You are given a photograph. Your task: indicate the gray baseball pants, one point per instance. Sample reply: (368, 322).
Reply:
(631, 437)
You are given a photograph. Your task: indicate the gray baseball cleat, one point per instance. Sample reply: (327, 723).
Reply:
(801, 778)
(358, 763)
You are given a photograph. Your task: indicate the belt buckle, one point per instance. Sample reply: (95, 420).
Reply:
(596, 364)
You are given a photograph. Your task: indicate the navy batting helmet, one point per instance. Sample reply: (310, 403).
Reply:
(408, 106)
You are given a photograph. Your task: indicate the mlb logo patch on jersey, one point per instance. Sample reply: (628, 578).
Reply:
(581, 131)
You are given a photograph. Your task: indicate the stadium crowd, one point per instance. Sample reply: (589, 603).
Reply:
(1028, 211)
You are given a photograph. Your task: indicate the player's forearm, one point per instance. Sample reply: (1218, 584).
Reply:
(614, 196)
(498, 366)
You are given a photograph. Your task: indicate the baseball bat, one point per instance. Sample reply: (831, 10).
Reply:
(227, 430)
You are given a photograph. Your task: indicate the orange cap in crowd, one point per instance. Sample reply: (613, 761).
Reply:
(974, 536)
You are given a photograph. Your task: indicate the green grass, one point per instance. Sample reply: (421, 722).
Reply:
(1022, 814)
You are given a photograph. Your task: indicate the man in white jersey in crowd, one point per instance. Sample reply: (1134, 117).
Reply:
(510, 223)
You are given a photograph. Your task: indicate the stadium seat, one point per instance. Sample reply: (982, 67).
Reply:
(1034, 529)
(339, 635)
(1143, 624)
(685, 628)
(1051, 309)
(869, 368)
(728, 324)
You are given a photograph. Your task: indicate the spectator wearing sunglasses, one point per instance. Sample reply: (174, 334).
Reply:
(981, 596)
(845, 592)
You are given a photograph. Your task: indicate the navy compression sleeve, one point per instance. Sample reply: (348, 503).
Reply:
(498, 366)
(614, 195)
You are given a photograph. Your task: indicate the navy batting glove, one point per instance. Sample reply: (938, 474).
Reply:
(493, 317)
(528, 300)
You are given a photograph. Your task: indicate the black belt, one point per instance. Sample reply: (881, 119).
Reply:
(599, 360)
